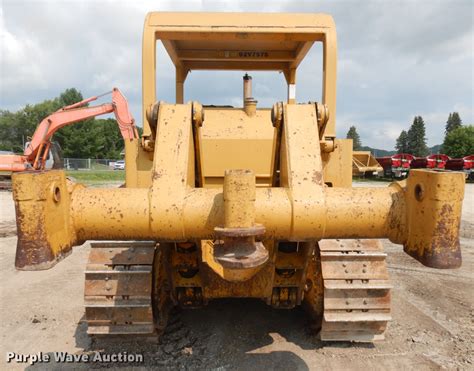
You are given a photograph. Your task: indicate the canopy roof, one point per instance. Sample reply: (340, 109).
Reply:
(238, 41)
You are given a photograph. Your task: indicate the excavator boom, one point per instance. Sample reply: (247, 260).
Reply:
(38, 148)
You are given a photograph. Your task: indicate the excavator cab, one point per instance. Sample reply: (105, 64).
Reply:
(54, 159)
(238, 202)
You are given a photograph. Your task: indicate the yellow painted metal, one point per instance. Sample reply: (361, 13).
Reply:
(301, 170)
(239, 199)
(139, 164)
(232, 41)
(364, 162)
(434, 201)
(301, 208)
(43, 217)
(346, 213)
(173, 170)
(223, 134)
(336, 164)
(237, 255)
(295, 190)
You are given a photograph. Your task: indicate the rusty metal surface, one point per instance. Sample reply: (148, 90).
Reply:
(135, 330)
(290, 261)
(280, 287)
(234, 261)
(356, 290)
(313, 299)
(118, 283)
(5, 182)
(351, 245)
(118, 288)
(230, 233)
(259, 285)
(240, 254)
(111, 255)
(423, 213)
(236, 247)
(434, 201)
(255, 230)
(162, 301)
(356, 265)
(45, 233)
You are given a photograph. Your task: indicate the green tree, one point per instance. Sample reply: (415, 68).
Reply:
(70, 96)
(75, 139)
(111, 141)
(354, 135)
(402, 142)
(417, 138)
(9, 132)
(459, 142)
(91, 138)
(454, 122)
(16, 128)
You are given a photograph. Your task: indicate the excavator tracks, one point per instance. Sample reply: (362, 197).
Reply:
(118, 288)
(356, 290)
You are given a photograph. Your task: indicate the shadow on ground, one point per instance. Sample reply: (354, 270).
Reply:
(227, 334)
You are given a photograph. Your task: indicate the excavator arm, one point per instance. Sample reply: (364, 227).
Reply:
(36, 152)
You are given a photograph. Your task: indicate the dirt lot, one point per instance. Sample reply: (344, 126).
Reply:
(432, 325)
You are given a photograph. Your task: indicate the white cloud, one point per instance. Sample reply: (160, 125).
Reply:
(15, 50)
(396, 59)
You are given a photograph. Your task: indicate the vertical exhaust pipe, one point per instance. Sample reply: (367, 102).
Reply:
(247, 87)
(250, 104)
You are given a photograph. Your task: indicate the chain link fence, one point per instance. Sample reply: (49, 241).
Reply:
(93, 164)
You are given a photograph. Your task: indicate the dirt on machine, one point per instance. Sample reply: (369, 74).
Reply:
(243, 202)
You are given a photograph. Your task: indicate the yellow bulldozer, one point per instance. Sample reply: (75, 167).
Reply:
(238, 202)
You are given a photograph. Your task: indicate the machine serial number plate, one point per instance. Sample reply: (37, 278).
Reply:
(247, 54)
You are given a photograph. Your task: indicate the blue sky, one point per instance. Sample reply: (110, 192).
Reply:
(397, 59)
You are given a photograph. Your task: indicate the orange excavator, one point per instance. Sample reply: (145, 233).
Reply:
(36, 152)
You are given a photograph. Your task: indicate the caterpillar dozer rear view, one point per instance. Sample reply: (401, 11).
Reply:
(238, 202)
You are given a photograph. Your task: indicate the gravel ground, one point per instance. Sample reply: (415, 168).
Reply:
(432, 325)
